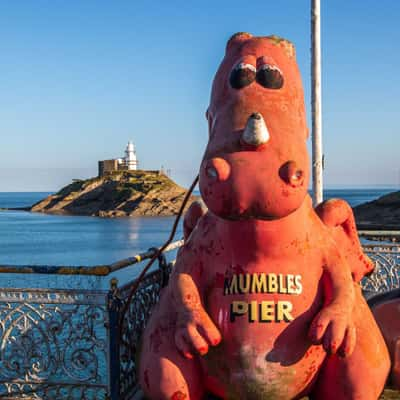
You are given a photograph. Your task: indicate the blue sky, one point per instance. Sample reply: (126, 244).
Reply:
(81, 78)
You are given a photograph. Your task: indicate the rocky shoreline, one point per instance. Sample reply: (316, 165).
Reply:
(120, 194)
(380, 214)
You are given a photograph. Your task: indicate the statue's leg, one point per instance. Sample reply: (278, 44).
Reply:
(396, 364)
(387, 315)
(163, 372)
(362, 375)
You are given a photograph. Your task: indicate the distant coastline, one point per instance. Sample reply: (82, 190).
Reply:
(382, 213)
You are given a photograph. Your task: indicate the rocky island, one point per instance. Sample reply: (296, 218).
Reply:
(380, 214)
(117, 194)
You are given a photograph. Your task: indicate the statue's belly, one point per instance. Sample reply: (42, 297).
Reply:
(264, 321)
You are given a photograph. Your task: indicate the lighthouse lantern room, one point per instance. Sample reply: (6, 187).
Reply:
(131, 162)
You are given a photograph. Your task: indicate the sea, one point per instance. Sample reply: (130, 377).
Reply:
(38, 239)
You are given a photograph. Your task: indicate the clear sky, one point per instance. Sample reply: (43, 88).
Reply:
(78, 79)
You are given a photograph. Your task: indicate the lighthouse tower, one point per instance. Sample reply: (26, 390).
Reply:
(131, 161)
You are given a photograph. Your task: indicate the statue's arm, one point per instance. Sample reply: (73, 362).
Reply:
(333, 326)
(195, 331)
(338, 216)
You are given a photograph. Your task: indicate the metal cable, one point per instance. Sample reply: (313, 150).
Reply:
(156, 254)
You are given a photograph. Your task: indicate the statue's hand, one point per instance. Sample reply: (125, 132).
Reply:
(333, 327)
(195, 332)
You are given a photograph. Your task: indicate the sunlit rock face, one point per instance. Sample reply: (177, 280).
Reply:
(119, 194)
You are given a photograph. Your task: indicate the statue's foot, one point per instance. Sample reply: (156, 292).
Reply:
(362, 375)
(164, 373)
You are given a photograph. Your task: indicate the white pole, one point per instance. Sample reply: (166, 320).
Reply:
(316, 110)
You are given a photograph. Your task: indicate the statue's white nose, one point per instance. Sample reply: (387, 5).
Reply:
(255, 133)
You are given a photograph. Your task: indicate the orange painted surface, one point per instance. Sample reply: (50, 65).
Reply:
(387, 315)
(262, 303)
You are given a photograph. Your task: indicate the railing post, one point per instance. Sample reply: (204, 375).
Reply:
(163, 266)
(114, 308)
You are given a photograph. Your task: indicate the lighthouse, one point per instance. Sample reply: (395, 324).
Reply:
(131, 162)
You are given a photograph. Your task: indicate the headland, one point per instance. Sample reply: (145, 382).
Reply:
(117, 194)
(380, 214)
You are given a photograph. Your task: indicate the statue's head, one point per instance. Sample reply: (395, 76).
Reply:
(256, 163)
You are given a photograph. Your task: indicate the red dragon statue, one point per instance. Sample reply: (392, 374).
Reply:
(264, 300)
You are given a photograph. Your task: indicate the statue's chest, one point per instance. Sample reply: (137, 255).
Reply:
(252, 267)
(263, 309)
(263, 289)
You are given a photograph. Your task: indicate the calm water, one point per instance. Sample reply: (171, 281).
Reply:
(32, 238)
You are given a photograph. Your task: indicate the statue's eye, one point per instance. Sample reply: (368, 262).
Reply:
(269, 76)
(242, 75)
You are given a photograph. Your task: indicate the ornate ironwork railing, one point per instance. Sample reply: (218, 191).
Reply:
(386, 275)
(75, 345)
(147, 295)
(66, 344)
(54, 344)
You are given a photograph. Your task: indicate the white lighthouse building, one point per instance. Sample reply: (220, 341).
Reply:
(127, 163)
(131, 162)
